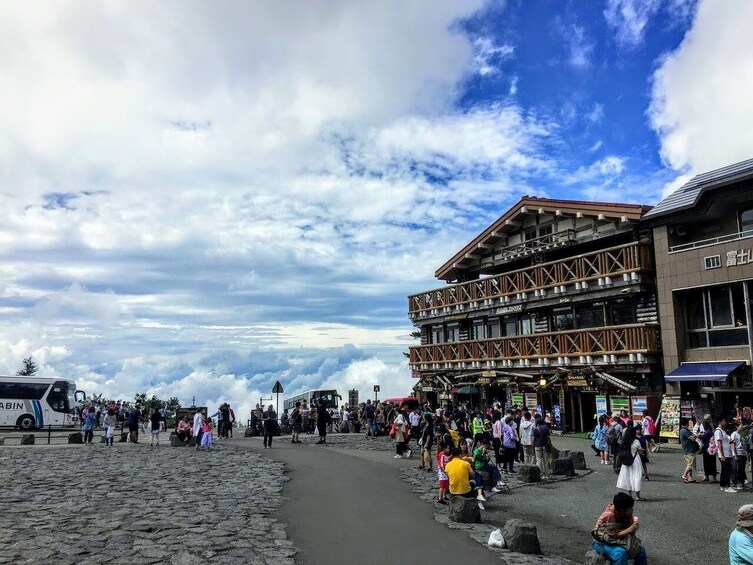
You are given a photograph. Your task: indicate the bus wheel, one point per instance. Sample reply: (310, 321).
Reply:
(26, 422)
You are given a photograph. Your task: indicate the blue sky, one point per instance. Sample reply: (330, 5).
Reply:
(201, 200)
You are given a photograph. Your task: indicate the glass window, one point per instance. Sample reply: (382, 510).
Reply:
(622, 313)
(695, 310)
(510, 326)
(478, 330)
(720, 307)
(527, 325)
(530, 234)
(590, 316)
(452, 333)
(738, 306)
(492, 328)
(437, 334)
(545, 230)
(746, 220)
(57, 398)
(562, 319)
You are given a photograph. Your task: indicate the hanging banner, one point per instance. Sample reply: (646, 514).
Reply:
(601, 405)
(669, 417)
(517, 399)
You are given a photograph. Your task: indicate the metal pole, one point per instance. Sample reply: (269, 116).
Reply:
(49, 433)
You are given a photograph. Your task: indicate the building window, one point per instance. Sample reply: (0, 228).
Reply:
(527, 325)
(716, 317)
(746, 220)
(478, 329)
(492, 328)
(452, 334)
(622, 312)
(509, 326)
(562, 319)
(590, 315)
(437, 334)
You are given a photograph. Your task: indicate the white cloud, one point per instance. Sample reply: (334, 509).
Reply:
(629, 19)
(580, 48)
(487, 55)
(596, 116)
(701, 105)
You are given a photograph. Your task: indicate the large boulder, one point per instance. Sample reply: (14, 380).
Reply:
(27, 439)
(464, 510)
(563, 467)
(521, 537)
(76, 437)
(578, 458)
(2, 441)
(593, 558)
(529, 473)
(192, 441)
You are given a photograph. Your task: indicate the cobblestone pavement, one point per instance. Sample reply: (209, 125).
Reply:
(135, 504)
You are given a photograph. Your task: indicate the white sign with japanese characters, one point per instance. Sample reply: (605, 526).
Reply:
(742, 257)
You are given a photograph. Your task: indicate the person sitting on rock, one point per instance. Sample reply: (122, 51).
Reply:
(460, 474)
(184, 429)
(482, 464)
(614, 535)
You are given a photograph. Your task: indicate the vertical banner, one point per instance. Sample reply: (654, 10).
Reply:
(517, 399)
(669, 417)
(639, 404)
(532, 399)
(601, 405)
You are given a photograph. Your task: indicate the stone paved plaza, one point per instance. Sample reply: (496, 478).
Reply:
(136, 504)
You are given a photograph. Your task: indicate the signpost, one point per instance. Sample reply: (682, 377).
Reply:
(376, 393)
(277, 390)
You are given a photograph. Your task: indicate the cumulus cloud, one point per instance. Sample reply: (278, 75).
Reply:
(701, 108)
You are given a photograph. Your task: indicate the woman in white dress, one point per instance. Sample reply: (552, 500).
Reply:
(631, 475)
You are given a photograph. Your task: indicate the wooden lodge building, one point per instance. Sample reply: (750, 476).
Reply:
(553, 305)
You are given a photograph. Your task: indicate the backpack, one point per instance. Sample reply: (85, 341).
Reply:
(626, 456)
(749, 443)
(712, 448)
(612, 436)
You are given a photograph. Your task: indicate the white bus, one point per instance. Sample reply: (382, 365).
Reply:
(328, 397)
(37, 402)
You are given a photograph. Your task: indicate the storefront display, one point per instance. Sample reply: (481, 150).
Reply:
(669, 417)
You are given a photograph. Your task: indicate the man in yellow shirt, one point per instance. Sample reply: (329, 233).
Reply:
(460, 473)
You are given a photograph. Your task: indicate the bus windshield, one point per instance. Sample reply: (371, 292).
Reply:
(329, 397)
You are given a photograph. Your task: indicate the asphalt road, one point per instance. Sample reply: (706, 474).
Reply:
(343, 509)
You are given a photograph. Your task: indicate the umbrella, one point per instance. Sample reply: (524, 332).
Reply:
(468, 390)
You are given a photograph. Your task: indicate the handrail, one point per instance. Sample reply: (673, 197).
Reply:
(629, 338)
(584, 267)
(711, 241)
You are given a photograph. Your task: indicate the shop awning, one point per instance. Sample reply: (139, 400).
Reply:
(614, 381)
(715, 371)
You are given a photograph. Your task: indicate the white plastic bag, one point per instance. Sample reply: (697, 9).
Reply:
(496, 539)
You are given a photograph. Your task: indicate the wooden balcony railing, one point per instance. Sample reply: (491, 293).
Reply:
(615, 261)
(611, 340)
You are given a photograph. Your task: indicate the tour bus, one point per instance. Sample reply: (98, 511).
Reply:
(37, 402)
(329, 397)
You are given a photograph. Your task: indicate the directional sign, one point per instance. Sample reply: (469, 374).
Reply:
(277, 388)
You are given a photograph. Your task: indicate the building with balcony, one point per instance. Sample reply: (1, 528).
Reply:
(552, 306)
(703, 237)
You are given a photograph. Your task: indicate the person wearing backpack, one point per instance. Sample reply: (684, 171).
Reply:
(649, 431)
(614, 438)
(631, 468)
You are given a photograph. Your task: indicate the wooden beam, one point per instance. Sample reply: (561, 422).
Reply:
(485, 246)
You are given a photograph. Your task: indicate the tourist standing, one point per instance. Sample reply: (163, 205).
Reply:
(134, 418)
(649, 431)
(631, 469)
(541, 445)
(111, 420)
(198, 428)
(400, 425)
(497, 439)
(297, 419)
(90, 422)
(206, 434)
(323, 419)
(689, 448)
(369, 413)
(510, 445)
(305, 417)
(427, 442)
(725, 454)
(600, 439)
(270, 425)
(739, 458)
(444, 454)
(156, 420)
(708, 450)
(526, 439)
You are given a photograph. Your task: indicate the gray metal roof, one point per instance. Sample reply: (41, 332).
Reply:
(687, 195)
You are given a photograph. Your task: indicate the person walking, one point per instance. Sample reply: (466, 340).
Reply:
(270, 426)
(689, 447)
(510, 445)
(600, 439)
(206, 434)
(156, 421)
(631, 468)
(725, 455)
(649, 432)
(111, 420)
(739, 458)
(426, 443)
(526, 439)
(90, 422)
(297, 419)
(399, 424)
